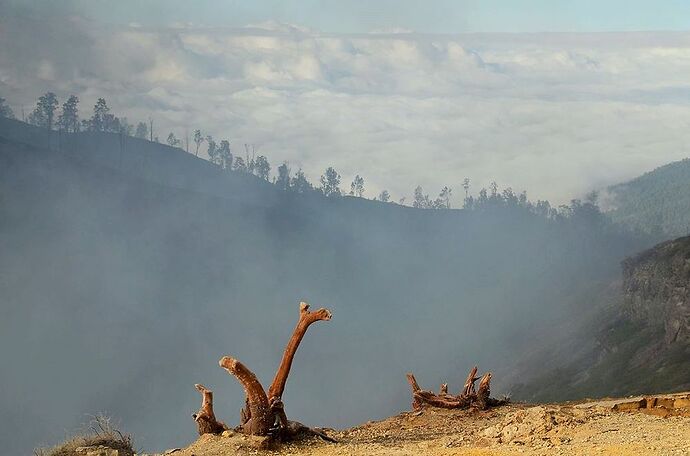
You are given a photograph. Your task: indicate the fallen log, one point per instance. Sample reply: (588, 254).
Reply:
(469, 397)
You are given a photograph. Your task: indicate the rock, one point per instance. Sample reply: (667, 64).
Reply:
(656, 291)
(256, 442)
(535, 424)
(99, 450)
(631, 405)
(682, 403)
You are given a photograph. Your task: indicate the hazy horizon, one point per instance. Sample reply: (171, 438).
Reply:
(556, 115)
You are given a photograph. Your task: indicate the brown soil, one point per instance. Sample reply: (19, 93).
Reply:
(588, 428)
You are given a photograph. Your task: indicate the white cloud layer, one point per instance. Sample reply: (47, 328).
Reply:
(555, 114)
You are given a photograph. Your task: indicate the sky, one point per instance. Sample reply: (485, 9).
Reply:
(357, 16)
(404, 93)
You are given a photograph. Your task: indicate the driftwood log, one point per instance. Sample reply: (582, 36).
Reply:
(264, 413)
(469, 397)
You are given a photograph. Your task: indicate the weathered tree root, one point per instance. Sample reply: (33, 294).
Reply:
(205, 418)
(469, 397)
(264, 414)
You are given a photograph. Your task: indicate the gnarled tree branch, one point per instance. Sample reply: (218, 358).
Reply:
(469, 397)
(306, 318)
(260, 418)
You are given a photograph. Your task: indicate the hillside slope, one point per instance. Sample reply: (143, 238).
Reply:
(124, 280)
(658, 202)
(642, 343)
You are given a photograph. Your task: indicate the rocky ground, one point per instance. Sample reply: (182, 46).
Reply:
(633, 426)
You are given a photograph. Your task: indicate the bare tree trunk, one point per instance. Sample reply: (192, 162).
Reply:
(205, 418)
(260, 418)
(306, 318)
(264, 414)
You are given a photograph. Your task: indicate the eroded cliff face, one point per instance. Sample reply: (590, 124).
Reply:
(656, 287)
(638, 344)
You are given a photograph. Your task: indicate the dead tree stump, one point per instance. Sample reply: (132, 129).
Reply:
(263, 413)
(469, 397)
(205, 418)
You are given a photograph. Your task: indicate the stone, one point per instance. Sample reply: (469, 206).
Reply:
(682, 403)
(99, 450)
(630, 406)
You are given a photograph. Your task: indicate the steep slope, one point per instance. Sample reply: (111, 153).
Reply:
(124, 281)
(641, 342)
(658, 202)
(657, 289)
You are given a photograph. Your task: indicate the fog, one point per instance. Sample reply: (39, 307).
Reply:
(129, 268)
(126, 276)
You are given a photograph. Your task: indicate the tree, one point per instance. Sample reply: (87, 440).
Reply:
(240, 165)
(262, 167)
(494, 189)
(330, 182)
(69, 117)
(102, 119)
(198, 139)
(384, 196)
(300, 184)
(421, 201)
(44, 113)
(443, 200)
(212, 149)
(224, 155)
(5, 110)
(142, 131)
(249, 162)
(100, 111)
(125, 127)
(357, 186)
(172, 140)
(283, 179)
(466, 186)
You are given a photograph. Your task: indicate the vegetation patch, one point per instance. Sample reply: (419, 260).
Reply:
(99, 433)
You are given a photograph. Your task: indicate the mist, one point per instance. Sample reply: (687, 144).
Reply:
(127, 272)
(128, 268)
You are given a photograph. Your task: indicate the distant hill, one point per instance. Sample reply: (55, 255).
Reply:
(658, 202)
(641, 344)
(128, 268)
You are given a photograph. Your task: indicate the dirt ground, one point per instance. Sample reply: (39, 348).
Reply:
(589, 428)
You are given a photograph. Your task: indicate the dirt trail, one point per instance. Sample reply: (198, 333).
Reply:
(588, 428)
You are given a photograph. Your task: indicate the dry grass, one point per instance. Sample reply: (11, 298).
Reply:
(99, 431)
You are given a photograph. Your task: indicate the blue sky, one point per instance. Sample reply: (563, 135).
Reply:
(431, 16)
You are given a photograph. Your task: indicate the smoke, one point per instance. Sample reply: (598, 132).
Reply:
(123, 285)
(123, 282)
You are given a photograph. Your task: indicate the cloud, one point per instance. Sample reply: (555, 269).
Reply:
(553, 114)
